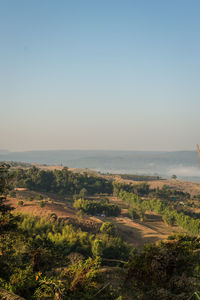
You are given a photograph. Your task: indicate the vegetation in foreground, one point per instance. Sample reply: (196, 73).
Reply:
(50, 259)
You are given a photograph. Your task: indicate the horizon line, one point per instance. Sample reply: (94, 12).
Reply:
(103, 150)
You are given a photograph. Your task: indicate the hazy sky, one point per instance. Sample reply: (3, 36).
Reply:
(109, 74)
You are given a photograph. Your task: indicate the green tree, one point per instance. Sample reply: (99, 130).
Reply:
(42, 204)
(97, 247)
(108, 228)
(20, 203)
(83, 193)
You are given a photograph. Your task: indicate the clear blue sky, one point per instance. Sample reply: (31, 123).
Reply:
(106, 74)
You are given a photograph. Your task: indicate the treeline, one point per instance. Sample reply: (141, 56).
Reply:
(136, 177)
(143, 190)
(17, 164)
(169, 194)
(63, 182)
(97, 207)
(170, 216)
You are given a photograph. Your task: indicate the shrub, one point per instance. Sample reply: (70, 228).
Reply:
(98, 247)
(108, 228)
(133, 214)
(42, 203)
(20, 203)
(13, 194)
(53, 217)
(23, 282)
(168, 219)
(83, 193)
(39, 197)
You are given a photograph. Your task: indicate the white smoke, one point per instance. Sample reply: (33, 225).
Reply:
(184, 171)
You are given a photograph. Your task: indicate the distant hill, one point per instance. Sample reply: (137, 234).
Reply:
(182, 163)
(3, 151)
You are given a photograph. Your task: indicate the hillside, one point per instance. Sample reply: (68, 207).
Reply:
(135, 232)
(77, 234)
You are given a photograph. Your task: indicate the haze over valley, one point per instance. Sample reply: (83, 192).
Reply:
(184, 164)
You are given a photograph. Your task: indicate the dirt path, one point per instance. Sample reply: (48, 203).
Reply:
(140, 233)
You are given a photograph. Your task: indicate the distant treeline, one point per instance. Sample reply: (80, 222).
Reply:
(136, 177)
(16, 164)
(143, 190)
(63, 182)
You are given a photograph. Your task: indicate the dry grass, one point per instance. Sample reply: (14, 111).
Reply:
(138, 233)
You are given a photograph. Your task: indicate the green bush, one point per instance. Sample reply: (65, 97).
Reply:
(108, 228)
(13, 194)
(23, 282)
(168, 218)
(20, 203)
(133, 213)
(42, 204)
(38, 197)
(83, 193)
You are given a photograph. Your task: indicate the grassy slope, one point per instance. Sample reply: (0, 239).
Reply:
(136, 232)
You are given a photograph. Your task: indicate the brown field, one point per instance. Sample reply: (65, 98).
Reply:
(137, 233)
(52, 205)
(189, 187)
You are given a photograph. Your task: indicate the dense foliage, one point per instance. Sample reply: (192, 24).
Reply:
(143, 189)
(40, 246)
(97, 207)
(169, 270)
(166, 193)
(63, 182)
